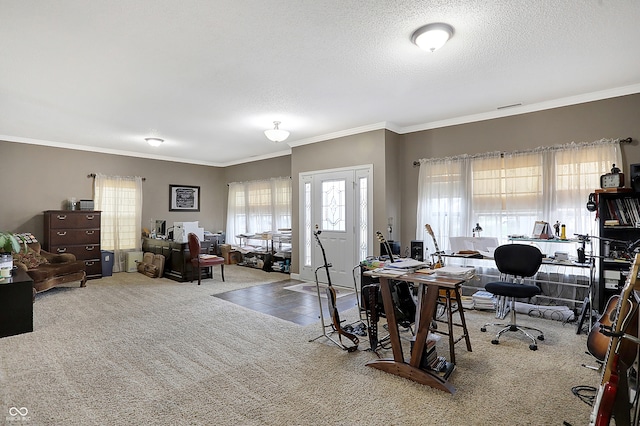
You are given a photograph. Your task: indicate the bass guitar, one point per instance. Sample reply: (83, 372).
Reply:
(331, 301)
(622, 318)
(439, 263)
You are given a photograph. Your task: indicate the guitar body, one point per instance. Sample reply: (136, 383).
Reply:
(598, 343)
(331, 302)
(607, 397)
(625, 316)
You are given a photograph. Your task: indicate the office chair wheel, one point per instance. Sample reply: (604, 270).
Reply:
(483, 329)
(541, 337)
(495, 341)
(533, 347)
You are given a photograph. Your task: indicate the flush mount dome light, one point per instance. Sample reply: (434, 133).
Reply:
(276, 134)
(154, 141)
(433, 36)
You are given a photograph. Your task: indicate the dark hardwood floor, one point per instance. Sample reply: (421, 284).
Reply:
(300, 308)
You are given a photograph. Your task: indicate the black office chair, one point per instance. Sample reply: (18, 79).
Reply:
(518, 261)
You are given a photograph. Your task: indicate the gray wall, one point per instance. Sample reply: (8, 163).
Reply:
(38, 178)
(609, 118)
(349, 151)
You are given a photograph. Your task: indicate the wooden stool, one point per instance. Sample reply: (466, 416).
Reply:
(445, 299)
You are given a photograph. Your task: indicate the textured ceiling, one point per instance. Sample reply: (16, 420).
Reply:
(209, 76)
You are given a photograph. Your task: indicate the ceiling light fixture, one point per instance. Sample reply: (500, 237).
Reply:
(276, 134)
(433, 36)
(154, 141)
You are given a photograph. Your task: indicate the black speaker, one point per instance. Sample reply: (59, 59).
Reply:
(417, 250)
(634, 177)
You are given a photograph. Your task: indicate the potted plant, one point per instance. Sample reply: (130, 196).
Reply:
(10, 243)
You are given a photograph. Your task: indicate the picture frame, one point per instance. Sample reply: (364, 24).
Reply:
(184, 198)
(540, 230)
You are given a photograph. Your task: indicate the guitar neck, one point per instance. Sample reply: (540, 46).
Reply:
(435, 243)
(324, 256)
(384, 242)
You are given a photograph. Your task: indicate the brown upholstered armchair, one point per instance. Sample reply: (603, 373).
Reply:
(49, 270)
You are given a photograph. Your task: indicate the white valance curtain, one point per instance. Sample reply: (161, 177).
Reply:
(507, 192)
(258, 206)
(119, 198)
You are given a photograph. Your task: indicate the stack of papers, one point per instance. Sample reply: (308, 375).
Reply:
(390, 272)
(460, 272)
(482, 299)
(406, 264)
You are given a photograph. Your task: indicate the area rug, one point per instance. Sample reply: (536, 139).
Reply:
(311, 289)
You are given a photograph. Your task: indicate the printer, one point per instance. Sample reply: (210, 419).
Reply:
(181, 231)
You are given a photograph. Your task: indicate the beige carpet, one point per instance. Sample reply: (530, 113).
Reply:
(129, 350)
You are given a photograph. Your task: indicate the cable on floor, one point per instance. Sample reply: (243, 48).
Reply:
(586, 394)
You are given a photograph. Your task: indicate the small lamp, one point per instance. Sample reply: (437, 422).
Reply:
(276, 134)
(154, 141)
(433, 36)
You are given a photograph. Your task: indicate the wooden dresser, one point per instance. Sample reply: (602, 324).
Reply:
(76, 232)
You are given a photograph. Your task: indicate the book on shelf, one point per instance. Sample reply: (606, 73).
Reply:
(625, 210)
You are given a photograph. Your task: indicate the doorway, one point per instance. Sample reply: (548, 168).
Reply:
(338, 202)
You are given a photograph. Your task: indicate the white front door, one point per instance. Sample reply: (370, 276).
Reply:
(336, 202)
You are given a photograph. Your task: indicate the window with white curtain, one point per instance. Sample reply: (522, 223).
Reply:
(119, 198)
(258, 206)
(507, 192)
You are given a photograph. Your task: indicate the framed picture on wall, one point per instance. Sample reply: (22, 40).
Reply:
(184, 198)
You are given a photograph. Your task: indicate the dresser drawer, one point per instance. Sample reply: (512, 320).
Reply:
(81, 252)
(71, 219)
(62, 237)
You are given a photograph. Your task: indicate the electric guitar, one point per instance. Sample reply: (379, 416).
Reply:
(387, 247)
(606, 397)
(598, 342)
(439, 263)
(331, 301)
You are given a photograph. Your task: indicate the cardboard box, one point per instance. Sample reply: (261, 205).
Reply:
(231, 257)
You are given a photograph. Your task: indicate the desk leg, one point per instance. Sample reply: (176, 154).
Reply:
(397, 365)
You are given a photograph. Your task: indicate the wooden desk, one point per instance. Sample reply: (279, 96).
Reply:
(428, 287)
(177, 265)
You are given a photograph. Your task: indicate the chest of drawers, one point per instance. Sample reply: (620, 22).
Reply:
(76, 232)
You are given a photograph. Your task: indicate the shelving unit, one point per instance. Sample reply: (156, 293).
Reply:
(616, 239)
(565, 282)
(277, 246)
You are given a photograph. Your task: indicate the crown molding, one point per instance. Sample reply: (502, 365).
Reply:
(524, 109)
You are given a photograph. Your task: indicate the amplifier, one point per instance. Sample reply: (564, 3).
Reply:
(86, 205)
(395, 248)
(417, 250)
